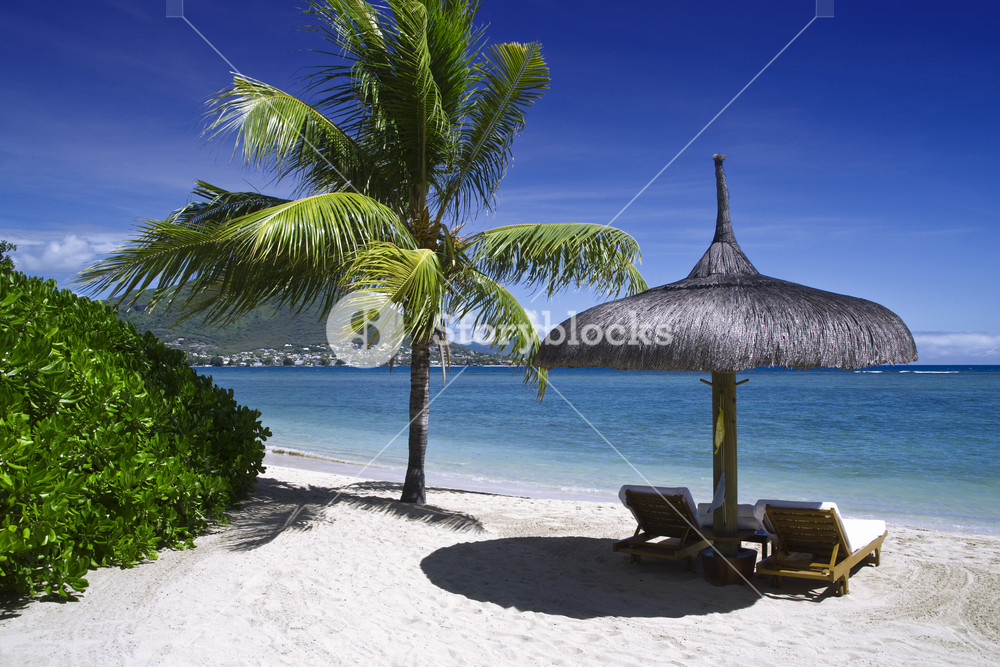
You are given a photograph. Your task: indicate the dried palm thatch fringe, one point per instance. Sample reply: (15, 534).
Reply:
(725, 317)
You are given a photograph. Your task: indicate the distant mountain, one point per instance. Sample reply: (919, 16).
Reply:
(262, 329)
(485, 349)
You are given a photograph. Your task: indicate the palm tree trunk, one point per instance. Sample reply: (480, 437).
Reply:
(420, 375)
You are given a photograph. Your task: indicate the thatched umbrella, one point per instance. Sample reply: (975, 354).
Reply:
(726, 317)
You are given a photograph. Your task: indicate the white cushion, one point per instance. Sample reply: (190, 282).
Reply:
(661, 490)
(862, 532)
(746, 518)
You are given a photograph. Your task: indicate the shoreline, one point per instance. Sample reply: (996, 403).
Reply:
(288, 458)
(890, 456)
(317, 568)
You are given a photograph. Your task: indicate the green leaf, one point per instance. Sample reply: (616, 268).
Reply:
(408, 136)
(92, 498)
(411, 278)
(560, 255)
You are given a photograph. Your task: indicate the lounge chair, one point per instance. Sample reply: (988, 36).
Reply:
(747, 525)
(667, 524)
(814, 542)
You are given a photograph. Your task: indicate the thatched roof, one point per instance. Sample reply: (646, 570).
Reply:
(725, 316)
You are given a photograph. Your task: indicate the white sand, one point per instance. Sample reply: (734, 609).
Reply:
(311, 571)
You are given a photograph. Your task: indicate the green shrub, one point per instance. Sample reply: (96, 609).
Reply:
(111, 447)
(6, 261)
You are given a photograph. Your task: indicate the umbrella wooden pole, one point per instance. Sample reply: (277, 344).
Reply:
(724, 460)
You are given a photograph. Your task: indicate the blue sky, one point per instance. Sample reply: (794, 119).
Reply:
(861, 161)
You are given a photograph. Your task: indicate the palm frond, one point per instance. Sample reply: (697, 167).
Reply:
(408, 94)
(220, 206)
(454, 43)
(559, 255)
(513, 77)
(317, 229)
(163, 252)
(408, 80)
(277, 131)
(409, 277)
(292, 254)
(494, 309)
(354, 30)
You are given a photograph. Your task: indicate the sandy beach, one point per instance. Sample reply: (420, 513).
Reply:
(318, 568)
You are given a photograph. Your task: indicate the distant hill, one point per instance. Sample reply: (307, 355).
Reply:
(261, 328)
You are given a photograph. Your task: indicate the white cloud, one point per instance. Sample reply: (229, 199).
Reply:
(944, 347)
(68, 254)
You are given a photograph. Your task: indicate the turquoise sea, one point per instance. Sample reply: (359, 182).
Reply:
(911, 444)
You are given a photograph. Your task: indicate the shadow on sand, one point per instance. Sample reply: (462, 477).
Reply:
(578, 577)
(581, 577)
(275, 507)
(12, 604)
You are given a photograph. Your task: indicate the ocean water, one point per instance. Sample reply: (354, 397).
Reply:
(912, 444)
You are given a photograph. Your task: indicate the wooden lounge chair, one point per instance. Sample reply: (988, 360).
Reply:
(667, 524)
(814, 542)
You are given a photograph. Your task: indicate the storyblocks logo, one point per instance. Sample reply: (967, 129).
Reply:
(366, 330)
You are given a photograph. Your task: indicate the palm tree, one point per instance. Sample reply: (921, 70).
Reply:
(409, 136)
